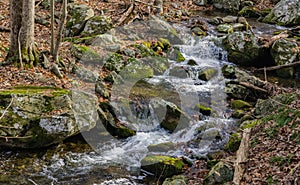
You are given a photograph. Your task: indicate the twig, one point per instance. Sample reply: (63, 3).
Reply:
(14, 137)
(253, 87)
(294, 169)
(279, 67)
(19, 48)
(60, 29)
(7, 108)
(32, 182)
(126, 14)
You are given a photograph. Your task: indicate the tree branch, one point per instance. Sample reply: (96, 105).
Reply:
(279, 67)
(7, 108)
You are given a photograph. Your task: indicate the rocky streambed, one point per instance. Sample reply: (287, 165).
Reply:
(171, 97)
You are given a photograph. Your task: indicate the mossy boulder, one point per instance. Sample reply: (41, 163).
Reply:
(240, 104)
(192, 62)
(207, 73)
(238, 113)
(79, 14)
(158, 64)
(250, 123)
(285, 13)
(234, 143)
(162, 147)
(113, 124)
(173, 117)
(96, 25)
(228, 71)
(244, 49)
(239, 92)
(285, 51)
(176, 180)
(219, 174)
(204, 110)
(136, 70)
(175, 54)
(162, 166)
(114, 62)
(41, 116)
(86, 54)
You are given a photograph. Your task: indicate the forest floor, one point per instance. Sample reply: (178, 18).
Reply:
(266, 166)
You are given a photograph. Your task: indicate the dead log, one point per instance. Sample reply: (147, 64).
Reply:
(241, 157)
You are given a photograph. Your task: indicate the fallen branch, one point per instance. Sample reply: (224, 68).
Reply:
(6, 108)
(279, 67)
(126, 14)
(242, 156)
(250, 86)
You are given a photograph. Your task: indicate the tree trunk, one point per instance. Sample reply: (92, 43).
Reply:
(22, 48)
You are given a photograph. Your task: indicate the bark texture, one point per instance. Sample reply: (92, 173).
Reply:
(22, 32)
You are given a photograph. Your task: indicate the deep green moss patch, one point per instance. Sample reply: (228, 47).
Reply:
(233, 143)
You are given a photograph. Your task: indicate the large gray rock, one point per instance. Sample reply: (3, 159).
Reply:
(79, 14)
(244, 49)
(227, 5)
(285, 13)
(285, 51)
(38, 116)
(96, 25)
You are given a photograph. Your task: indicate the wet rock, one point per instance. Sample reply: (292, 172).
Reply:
(179, 72)
(192, 62)
(285, 13)
(162, 147)
(239, 92)
(239, 27)
(176, 55)
(225, 28)
(112, 124)
(157, 63)
(285, 51)
(228, 71)
(216, 20)
(219, 174)
(105, 41)
(41, 116)
(198, 31)
(162, 166)
(207, 74)
(96, 25)
(176, 180)
(173, 117)
(204, 110)
(240, 104)
(244, 49)
(79, 14)
(230, 19)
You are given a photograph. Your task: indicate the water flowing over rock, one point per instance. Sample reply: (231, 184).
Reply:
(38, 117)
(285, 13)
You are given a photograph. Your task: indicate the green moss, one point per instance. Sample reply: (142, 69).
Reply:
(165, 43)
(238, 114)
(180, 57)
(250, 123)
(48, 91)
(207, 74)
(240, 104)
(204, 110)
(233, 143)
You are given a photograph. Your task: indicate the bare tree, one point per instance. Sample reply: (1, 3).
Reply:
(22, 49)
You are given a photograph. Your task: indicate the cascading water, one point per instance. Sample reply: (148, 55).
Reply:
(188, 90)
